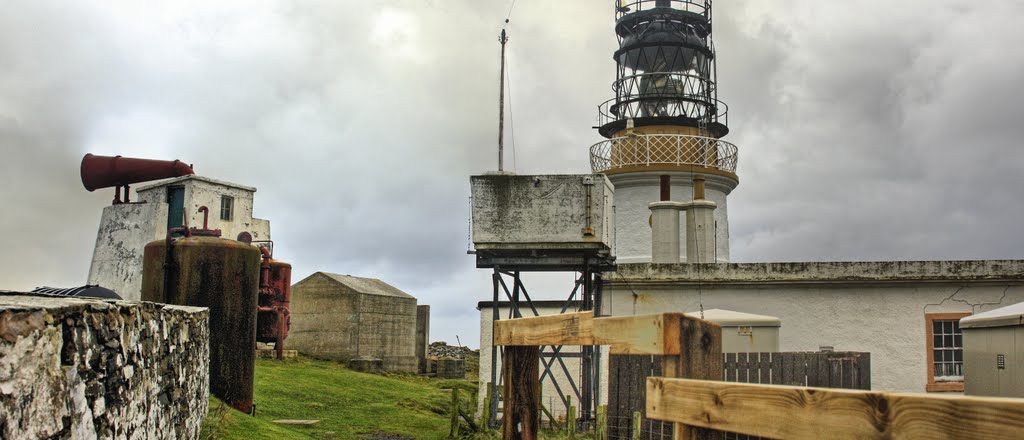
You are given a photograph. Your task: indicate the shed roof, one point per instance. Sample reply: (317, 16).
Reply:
(165, 182)
(367, 286)
(734, 318)
(1001, 317)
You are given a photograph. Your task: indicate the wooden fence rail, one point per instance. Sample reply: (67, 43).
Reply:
(787, 412)
(682, 346)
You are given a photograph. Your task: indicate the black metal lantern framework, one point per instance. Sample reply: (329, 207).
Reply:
(665, 68)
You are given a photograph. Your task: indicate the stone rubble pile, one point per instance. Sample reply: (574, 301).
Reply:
(441, 349)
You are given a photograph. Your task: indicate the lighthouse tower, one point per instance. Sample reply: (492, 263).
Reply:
(665, 120)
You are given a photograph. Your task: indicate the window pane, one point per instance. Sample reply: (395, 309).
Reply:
(936, 341)
(938, 369)
(958, 341)
(947, 341)
(959, 369)
(947, 327)
(956, 326)
(958, 355)
(936, 327)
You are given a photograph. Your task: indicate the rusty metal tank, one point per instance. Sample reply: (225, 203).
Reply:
(202, 269)
(273, 317)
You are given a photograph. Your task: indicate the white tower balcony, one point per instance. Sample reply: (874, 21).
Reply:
(634, 162)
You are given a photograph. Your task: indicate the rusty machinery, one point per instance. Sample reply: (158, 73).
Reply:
(245, 289)
(273, 317)
(202, 269)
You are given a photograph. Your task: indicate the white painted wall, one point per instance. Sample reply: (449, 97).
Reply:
(123, 233)
(201, 191)
(633, 194)
(871, 307)
(874, 307)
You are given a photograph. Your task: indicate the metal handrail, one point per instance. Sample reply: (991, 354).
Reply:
(663, 149)
(702, 7)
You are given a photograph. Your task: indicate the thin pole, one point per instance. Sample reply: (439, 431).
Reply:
(501, 105)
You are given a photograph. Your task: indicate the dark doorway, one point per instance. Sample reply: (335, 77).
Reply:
(175, 206)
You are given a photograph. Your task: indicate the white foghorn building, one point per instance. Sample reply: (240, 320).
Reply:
(126, 228)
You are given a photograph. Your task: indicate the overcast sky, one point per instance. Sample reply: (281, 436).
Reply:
(867, 130)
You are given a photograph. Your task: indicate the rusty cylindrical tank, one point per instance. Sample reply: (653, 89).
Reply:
(223, 275)
(272, 320)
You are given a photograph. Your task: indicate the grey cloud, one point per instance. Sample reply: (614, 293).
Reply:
(867, 130)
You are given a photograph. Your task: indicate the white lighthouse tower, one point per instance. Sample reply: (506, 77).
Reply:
(665, 120)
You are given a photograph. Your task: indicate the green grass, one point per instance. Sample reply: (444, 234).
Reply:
(349, 404)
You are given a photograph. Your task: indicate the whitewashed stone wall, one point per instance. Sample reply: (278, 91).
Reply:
(204, 191)
(877, 307)
(123, 233)
(86, 369)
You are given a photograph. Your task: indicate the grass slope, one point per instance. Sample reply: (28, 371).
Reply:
(349, 405)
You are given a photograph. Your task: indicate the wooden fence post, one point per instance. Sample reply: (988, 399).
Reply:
(454, 431)
(637, 427)
(570, 421)
(602, 423)
(521, 372)
(700, 343)
(486, 416)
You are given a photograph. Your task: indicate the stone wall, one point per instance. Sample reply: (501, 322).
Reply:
(83, 369)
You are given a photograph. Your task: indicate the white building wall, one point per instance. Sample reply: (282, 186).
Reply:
(888, 322)
(869, 307)
(207, 192)
(635, 191)
(123, 233)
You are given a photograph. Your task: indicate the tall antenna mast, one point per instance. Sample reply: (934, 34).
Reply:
(501, 103)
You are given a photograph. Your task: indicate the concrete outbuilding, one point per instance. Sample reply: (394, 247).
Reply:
(994, 352)
(744, 332)
(343, 317)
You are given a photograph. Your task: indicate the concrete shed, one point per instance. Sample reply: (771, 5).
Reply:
(745, 332)
(342, 317)
(994, 352)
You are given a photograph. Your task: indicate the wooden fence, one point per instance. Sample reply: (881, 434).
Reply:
(661, 339)
(825, 369)
(628, 376)
(687, 347)
(786, 412)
